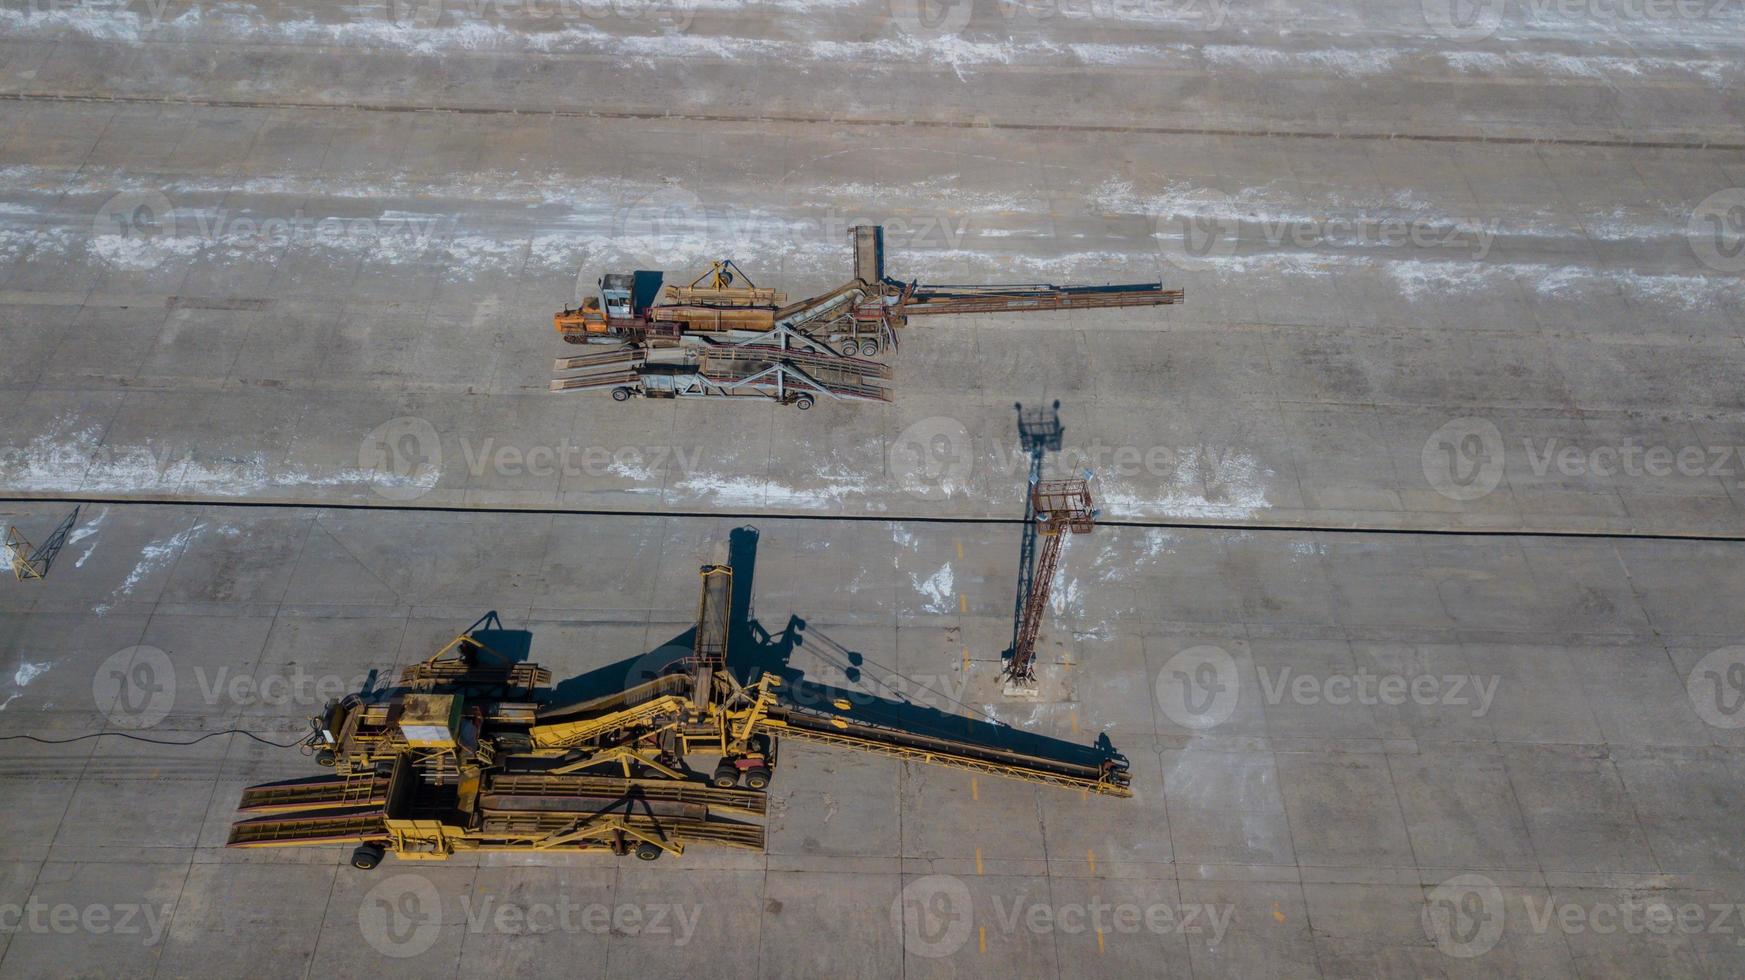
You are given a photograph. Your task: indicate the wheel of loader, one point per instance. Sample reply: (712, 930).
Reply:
(647, 852)
(726, 776)
(803, 402)
(757, 778)
(850, 347)
(325, 757)
(621, 394)
(869, 348)
(367, 856)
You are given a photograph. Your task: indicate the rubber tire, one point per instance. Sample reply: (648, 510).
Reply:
(726, 777)
(803, 403)
(757, 778)
(647, 852)
(325, 757)
(869, 349)
(620, 394)
(367, 856)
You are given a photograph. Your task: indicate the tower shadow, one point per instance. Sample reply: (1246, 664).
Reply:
(43, 557)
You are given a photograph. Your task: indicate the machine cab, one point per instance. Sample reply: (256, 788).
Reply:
(618, 293)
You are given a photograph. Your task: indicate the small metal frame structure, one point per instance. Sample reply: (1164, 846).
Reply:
(27, 563)
(1059, 506)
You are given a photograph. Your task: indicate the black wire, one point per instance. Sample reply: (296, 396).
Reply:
(153, 741)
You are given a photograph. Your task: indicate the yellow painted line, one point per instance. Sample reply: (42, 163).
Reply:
(1091, 856)
(959, 543)
(975, 789)
(1099, 942)
(1075, 721)
(962, 603)
(982, 933)
(966, 658)
(978, 860)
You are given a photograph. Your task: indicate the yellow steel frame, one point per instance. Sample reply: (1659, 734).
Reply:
(18, 552)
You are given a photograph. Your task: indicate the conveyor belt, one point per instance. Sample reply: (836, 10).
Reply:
(629, 356)
(946, 752)
(667, 790)
(319, 792)
(344, 826)
(970, 299)
(520, 829)
(589, 381)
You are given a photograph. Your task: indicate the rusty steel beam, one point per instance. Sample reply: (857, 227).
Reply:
(1060, 506)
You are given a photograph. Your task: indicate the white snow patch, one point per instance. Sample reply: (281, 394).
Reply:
(152, 557)
(89, 528)
(635, 472)
(71, 457)
(937, 588)
(1208, 484)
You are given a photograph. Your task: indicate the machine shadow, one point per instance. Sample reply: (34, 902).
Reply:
(753, 651)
